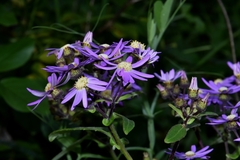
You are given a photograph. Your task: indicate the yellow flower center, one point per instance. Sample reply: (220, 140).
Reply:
(136, 44)
(103, 56)
(48, 87)
(189, 154)
(125, 65)
(216, 81)
(231, 117)
(81, 83)
(222, 89)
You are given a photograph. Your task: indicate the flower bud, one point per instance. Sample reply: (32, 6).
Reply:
(184, 83)
(163, 91)
(176, 90)
(202, 103)
(57, 93)
(193, 89)
(179, 102)
(60, 62)
(75, 73)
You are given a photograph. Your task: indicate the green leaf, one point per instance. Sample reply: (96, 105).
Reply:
(176, 133)
(165, 14)
(151, 28)
(128, 124)
(7, 17)
(94, 156)
(157, 9)
(207, 114)
(62, 132)
(14, 92)
(233, 155)
(190, 120)
(179, 112)
(127, 96)
(16, 54)
(108, 122)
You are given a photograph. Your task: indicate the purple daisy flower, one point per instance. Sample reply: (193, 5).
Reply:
(221, 87)
(224, 118)
(168, 76)
(193, 154)
(80, 90)
(148, 52)
(53, 82)
(60, 51)
(68, 67)
(125, 70)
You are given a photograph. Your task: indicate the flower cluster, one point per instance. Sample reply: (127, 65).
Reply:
(192, 154)
(97, 71)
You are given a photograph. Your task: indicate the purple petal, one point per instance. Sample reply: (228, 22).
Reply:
(84, 97)
(77, 99)
(141, 62)
(193, 148)
(129, 59)
(105, 68)
(37, 93)
(145, 75)
(69, 95)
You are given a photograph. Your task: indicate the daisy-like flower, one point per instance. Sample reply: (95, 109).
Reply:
(53, 83)
(65, 50)
(148, 52)
(68, 67)
(168, 78)
(221, 90)
(192, 154)
(80, 90)
(224, 118)
(125, 70)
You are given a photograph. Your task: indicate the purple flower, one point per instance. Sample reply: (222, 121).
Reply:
(80, 90)
(148, 52)
(59, 52)
(193, 154)
(168, 76)
(68, 67)
(224, 118)
(125, 70)
(53, 82)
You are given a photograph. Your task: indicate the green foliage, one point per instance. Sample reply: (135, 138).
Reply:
(176, 133)
(16, 54)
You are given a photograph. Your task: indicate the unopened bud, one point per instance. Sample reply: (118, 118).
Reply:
(57, 93)
(179, 102)
(60, 62)
(193, 89)
(176, 89)
(163, 91)
(202, 103)
(184, 83)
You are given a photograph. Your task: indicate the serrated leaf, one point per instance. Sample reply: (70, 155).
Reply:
(16, 54)
(128, 124)
(179, 112)
(14, 92)
(61, 132)
(176, 133)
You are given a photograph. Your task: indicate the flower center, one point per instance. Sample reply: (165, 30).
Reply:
(189, 154)
(81, 83)
(216, 81)
(103, 56)
(136, 44)
(48, 87)
(222, 89)
(125, 65)
(231, 117)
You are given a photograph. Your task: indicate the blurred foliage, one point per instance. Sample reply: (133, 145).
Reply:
(196, 41)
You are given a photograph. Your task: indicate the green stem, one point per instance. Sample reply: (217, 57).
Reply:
(119, 142)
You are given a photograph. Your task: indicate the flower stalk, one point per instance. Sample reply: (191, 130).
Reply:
(119, 142)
